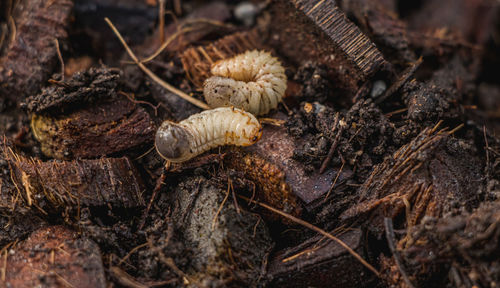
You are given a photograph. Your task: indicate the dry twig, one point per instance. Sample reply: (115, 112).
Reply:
(334, 144)
(125, 279)
(335, 181)
(59, 55)
(317, 229)
(165, 44)
(389, 234)
(214, 221)
(161, 22)
(153, 76)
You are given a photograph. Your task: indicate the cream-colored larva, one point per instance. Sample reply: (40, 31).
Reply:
(178, 142)
(253, 81)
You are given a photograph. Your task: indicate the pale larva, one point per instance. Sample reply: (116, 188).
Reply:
(253, 81)
(178, 142)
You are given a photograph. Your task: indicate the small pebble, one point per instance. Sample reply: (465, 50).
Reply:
(246, 12)
(378, 89)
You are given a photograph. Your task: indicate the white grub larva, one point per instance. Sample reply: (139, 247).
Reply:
(178, 142)
(253, 81)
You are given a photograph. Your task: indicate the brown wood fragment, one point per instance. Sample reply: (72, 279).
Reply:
(31, 58)
(98, 130)
(54, 257)
(17, 222)
(318, 30)
(277, 147)
(320, 262)
(82, 89)
(344, 34)
(380, 21)
(456, 249)
(281, 180)
(268, 180)
(402, 79)
(56, 184)
(87, 117)
(422, 177)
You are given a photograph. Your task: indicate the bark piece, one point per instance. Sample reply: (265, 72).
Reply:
(268, 180)
(453, 251)
(320, 263)
(16, 221)
(279, 178)
(56, 184)
(96, 131)
(277, 147)
(428, 174)
(85, 117)
(317, 30)
(54, 257)
(83, 88)
(381, 22)
(31, 58)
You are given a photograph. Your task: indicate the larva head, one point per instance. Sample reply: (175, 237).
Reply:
(172, 142)
(218, 91)
(252, 131)
(255, 134)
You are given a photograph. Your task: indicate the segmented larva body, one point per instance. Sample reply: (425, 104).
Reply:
(253, 81)
(178, 142)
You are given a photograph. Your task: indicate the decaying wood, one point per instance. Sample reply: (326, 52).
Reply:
(53, 256)
(380, 21)
(420, 178)
(345, 36)
(86, 117)
(319, 31)
(82, 89)
(279, 178)
(31, 58)
(91, 133)
(278, 147)
(54, 185)
(268, 181)
(320, 262)
(407, 204)
(461, 250)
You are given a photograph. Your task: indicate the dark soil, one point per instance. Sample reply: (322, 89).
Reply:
(387, 138)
